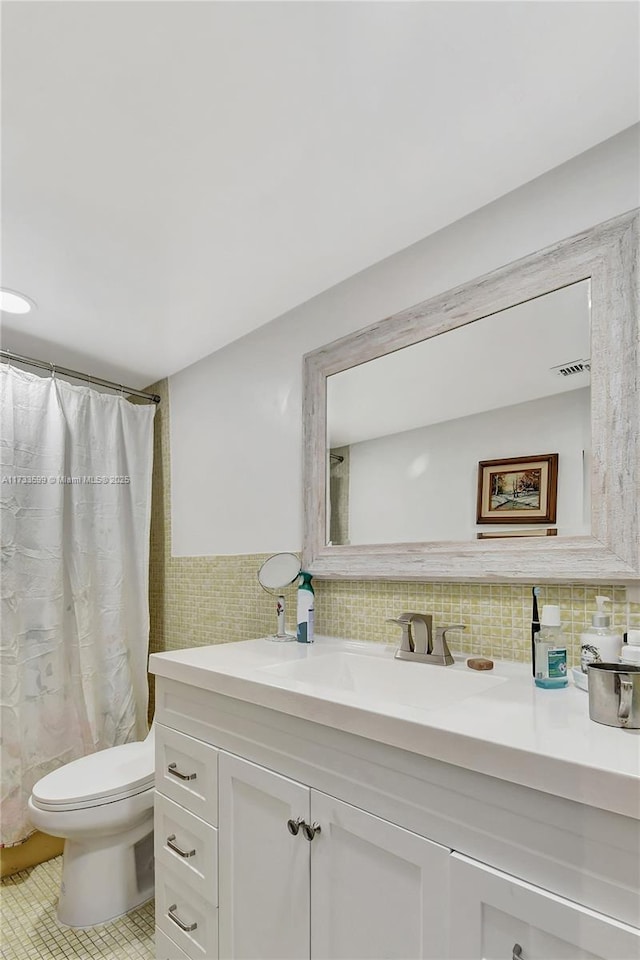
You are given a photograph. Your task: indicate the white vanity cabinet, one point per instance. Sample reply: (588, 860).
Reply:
(186, 847)
(414, 858)
(263, 869)
(359, 887)
(494, 915)
(377, 890)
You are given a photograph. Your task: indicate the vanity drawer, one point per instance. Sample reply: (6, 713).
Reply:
(185, 917)
(188, 846)
(505, 916)
(166, 949)
(187, 772)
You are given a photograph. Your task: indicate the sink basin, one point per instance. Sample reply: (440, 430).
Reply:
(384, 679)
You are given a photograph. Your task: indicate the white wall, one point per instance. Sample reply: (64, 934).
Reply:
(422, 484)
(235, 416)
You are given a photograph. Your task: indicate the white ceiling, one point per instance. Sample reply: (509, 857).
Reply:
(177, 174)
(500, 360)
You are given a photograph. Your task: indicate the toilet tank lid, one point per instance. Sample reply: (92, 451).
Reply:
(116, 771)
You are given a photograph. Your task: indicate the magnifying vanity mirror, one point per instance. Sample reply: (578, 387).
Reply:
(488, 434)
(277, 572)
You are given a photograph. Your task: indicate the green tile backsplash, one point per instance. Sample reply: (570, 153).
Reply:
(196, 601)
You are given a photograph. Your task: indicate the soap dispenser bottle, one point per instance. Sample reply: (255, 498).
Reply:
(306, 609)
(600, 643)
(630, 652)
(550, 651)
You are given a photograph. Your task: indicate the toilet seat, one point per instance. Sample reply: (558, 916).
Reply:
(104, 777)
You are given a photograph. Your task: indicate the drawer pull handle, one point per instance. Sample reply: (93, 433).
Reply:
(176, 849)
(172, 768)
(310, 831)
(294, 825)
(187, 927)
(517, 952)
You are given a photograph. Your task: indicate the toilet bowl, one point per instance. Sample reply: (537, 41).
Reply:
(103, 807)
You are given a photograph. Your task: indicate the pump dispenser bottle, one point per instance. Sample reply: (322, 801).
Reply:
(600, 643)
(306, 609)
(630, 652)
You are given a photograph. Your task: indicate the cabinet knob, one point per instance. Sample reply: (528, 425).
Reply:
(310, 831)
(517, 952)
(294, 825)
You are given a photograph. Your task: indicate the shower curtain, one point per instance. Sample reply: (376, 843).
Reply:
(75, 501)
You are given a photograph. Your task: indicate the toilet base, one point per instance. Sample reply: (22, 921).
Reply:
(103, 880)
(90, 926)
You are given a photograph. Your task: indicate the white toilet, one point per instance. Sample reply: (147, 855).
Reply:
(103, 806)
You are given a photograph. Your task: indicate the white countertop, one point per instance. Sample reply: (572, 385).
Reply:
(514, 731)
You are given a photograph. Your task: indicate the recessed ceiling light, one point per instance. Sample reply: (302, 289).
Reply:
(12, 302)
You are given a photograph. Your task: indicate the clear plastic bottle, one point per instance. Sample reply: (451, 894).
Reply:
(550, 650)
(600, 643)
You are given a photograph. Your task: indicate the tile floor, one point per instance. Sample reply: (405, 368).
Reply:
(28, 928)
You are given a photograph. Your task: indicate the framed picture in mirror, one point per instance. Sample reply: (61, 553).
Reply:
(502, 534)
(518, 490)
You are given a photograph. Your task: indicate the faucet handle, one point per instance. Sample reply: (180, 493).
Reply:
(440, 645)
(404, 621)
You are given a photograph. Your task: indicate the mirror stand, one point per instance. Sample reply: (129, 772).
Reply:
(277, 572)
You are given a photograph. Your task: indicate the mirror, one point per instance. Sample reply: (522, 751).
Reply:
(276, 573)
(406, 432)
(435, 440)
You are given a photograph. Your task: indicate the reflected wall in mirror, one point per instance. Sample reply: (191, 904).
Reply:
(406, 431)
(398, 416)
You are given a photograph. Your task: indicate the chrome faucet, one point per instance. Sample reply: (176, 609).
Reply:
(416, 632)
(417, 642)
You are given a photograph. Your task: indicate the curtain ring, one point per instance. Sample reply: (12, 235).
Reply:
(53, 370)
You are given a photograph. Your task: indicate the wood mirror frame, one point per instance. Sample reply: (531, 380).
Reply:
(608, 256)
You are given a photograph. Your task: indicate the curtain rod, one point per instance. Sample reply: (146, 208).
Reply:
(7, 356)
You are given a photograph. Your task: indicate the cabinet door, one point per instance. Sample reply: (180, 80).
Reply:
(496, 917)
(377, 890)
(263, 869)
